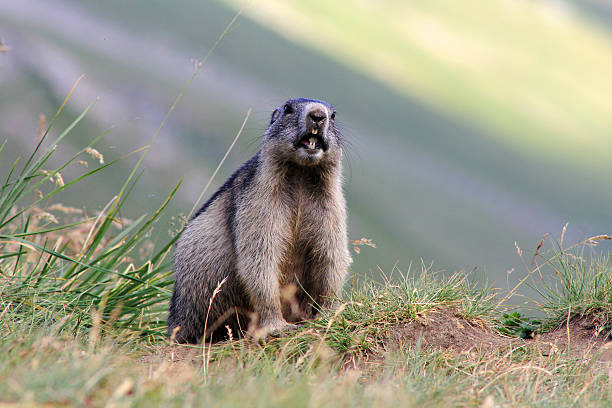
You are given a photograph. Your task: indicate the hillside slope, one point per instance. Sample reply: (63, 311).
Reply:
(427, 174)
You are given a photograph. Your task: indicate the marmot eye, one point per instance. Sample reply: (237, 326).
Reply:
(333, 115)
(287, 109)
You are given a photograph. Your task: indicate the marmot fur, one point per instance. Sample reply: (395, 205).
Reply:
(274, 234)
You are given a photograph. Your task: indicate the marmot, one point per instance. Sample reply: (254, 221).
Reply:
(277, 225)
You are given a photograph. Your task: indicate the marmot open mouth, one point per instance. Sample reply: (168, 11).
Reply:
(312, 141)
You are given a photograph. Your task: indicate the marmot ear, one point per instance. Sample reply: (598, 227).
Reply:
(275, 115)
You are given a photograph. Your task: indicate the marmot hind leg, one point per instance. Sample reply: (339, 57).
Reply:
(185, 324)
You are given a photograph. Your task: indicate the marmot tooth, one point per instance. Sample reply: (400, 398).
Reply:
(315, 131)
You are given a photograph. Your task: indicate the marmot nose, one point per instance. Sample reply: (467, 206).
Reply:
(317, 115)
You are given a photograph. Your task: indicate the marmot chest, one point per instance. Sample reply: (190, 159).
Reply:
(307, 215)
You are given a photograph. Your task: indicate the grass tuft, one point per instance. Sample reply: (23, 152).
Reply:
(59, 265)
(576, 281)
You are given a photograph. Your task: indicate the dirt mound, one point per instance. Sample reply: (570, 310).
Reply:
(583, 336)
(445, 329)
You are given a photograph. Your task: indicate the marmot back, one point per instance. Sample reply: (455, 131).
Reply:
(274, 234)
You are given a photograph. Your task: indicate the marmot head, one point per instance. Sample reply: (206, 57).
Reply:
(303, 131)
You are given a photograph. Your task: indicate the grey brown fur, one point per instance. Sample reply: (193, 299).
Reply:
(277, 226)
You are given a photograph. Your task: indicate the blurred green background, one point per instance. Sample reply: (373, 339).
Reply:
(472, 125)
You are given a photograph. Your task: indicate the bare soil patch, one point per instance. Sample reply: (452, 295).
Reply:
(445, 329)
(583, 336)
(175, 353)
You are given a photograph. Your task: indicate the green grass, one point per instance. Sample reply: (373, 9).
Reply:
(337, 360)
(95, 274)
(52, 369)
(578, 283)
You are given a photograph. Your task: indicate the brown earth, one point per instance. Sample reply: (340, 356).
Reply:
(445, 329)
(584, 336)
(177, 353)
